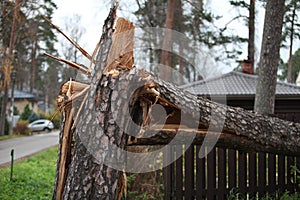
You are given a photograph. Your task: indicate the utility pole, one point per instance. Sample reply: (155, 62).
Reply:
(7, 65)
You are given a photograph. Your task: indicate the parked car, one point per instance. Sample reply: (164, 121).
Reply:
(41, 125)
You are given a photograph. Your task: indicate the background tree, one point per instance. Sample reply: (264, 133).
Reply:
(196, 22)
(250, 20)
(33, 36)
(291, 32)
(150, 13)
(8, 60)
(166, 56)
(40, 38)
(68, 51)
(283, 67)
(269, 57)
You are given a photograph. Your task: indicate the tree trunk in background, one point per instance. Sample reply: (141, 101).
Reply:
(7, 66)
(3, 109)
(251, 43)
(33, 66)
(290, 62)
(166, 57)
(179, 27)
(269, 58)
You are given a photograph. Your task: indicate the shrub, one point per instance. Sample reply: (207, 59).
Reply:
(27, 112)
(33, 117)
(21, 128)
(16, 111)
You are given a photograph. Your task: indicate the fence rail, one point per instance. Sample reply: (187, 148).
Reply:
(225, 171)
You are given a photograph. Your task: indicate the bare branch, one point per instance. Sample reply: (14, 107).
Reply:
(86, 54)
(78, 67)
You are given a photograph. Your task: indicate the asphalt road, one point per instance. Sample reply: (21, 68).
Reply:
(26, 146)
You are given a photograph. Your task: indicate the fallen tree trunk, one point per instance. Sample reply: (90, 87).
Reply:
(241, 129)
(121, 100)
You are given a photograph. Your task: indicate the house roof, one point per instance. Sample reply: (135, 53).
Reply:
(18, 94)
(237, 84)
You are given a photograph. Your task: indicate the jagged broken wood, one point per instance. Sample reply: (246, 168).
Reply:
(81, 175)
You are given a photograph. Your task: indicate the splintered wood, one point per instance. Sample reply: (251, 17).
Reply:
(121, 52)
(70, 91)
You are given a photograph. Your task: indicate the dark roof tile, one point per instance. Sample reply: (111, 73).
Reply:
(18, 94)
(236, 83)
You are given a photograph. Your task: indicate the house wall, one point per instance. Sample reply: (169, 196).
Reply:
(21, 103)
(284, 109)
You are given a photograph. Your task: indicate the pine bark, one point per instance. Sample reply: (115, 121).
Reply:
(242, 129)
(251, 43)
(166, 56)
(269, 57)
(81, 172)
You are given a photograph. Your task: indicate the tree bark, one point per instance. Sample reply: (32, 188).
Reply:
(166, 56)
(85, 176)
(3, 106)
(241, 129)
(251, 43)
(33, 66)
(269, 57)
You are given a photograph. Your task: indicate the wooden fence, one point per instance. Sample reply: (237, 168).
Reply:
(227, 171)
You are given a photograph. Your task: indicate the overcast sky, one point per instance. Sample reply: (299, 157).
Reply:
(94, 12)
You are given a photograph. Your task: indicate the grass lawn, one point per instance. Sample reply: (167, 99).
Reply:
(6, 137)
(32, 178)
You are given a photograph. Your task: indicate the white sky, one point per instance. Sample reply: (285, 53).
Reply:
(93, 14)
(92, 18)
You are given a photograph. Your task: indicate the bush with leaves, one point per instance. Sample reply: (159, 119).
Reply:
(21, 128)
(33, 117)
(29, 115)
(16, 111)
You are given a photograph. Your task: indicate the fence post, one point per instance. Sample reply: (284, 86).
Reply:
(11, 164)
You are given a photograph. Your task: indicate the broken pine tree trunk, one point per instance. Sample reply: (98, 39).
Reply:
(73, 180)
(119, 101)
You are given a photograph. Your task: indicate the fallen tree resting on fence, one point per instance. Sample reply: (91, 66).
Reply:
(88, 118)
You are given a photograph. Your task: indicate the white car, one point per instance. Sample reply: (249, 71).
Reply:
(41, 125)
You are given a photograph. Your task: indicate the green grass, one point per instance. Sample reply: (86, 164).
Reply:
(6, 137)
(32, 179)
